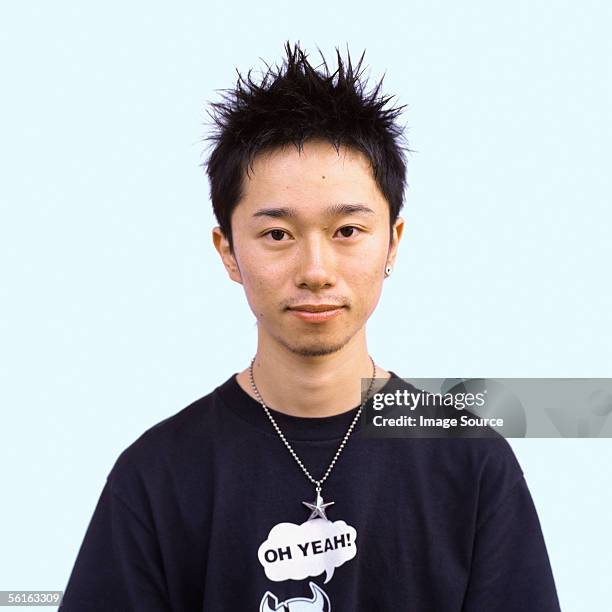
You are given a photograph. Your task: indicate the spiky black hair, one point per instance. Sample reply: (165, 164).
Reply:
(294, 103)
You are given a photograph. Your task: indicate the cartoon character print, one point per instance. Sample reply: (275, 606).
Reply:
(318, 603)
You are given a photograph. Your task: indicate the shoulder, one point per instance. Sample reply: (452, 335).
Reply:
(482, 463)
(167, 448)
(480, 455)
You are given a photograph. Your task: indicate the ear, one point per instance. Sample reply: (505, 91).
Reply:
(229, 260)
(396, 235)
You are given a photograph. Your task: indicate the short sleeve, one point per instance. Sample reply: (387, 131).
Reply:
(510, 569)
(118, 566)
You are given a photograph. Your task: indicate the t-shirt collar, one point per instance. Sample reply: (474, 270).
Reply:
(235, 398)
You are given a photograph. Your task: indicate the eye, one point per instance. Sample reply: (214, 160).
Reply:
(349, 229)
(276, 234)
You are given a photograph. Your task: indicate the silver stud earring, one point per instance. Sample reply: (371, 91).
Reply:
(388, 270)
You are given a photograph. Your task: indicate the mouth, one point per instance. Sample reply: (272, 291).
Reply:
(316, 313)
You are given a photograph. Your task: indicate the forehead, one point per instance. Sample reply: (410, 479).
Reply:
(311, 179)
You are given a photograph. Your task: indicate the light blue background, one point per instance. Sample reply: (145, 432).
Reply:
(116, 311)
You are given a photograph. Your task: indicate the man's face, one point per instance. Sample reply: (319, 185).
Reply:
(293, 250)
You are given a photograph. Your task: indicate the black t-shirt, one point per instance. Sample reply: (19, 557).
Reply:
(204, 512)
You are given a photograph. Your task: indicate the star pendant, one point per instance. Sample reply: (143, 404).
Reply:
(318, 507)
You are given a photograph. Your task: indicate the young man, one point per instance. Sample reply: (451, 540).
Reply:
(263, 495)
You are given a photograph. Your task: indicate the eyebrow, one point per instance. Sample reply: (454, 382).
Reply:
(334, 210)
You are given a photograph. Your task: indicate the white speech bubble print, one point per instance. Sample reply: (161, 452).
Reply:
(295, 552)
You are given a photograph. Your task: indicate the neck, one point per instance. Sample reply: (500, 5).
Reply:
(308, 386)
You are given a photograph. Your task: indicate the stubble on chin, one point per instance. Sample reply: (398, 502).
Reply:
(311, 344)
(315, 350)
(314, 347)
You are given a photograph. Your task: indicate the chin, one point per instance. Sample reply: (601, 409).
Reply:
(316, 348)
(314, 351)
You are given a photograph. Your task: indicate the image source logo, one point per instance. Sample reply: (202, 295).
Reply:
(487, 407)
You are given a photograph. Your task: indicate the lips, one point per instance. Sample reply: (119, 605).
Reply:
(316, 307)
(316, 313)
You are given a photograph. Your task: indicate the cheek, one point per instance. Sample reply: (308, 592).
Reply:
(371, 287)
(261, 286)
(365, 282)
(366, 266)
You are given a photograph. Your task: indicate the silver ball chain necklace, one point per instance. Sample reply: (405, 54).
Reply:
(318, 506)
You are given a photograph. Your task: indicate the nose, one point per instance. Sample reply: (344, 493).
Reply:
(316, 267)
